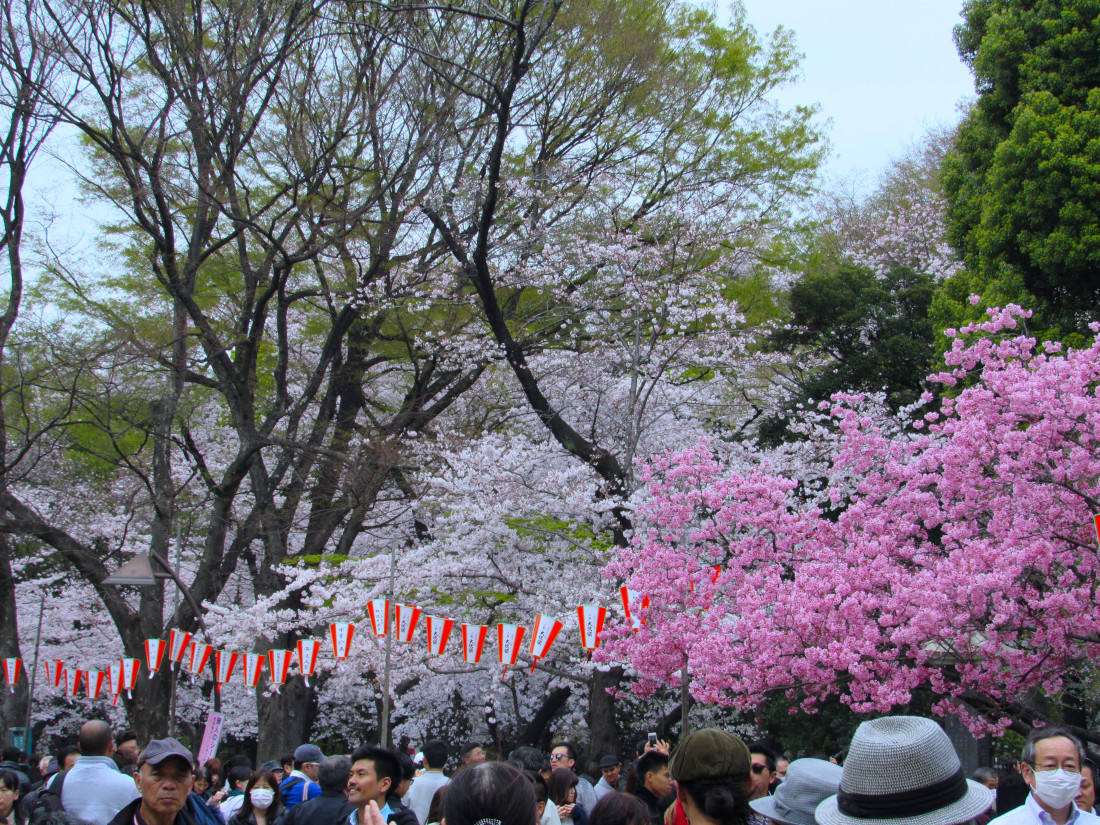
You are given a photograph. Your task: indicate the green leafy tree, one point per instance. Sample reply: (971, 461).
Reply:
(1022, 178)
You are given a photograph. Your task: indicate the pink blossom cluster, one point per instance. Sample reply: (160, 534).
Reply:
(956, 554)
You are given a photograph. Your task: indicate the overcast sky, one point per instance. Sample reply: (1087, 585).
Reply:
(883, 71)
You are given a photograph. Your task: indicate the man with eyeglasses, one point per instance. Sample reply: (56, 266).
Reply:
(1051, 767)
(564, 755)
(301, 785)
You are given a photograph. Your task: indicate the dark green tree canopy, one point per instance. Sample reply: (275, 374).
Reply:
(1023, 176)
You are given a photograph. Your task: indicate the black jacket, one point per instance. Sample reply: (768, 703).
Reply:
(401, 815)
(330, 808)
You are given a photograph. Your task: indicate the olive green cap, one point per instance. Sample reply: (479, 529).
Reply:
(709, 755)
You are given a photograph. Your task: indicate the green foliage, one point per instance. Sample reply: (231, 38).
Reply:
(1023, 176)
(871, 332)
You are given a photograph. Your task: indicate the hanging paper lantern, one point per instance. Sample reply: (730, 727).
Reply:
(11, 672)
(509, 640)
(591, 618)
(407, 617)
(114, 682)
(278, 665)
(379, 612)
(199, 656)
(55, 672)
(439, 631)
(225, 662)
(154, 651)
(129, 675)
(546, 630)
(93, 681)
(72, 681)
(253, 664)
(473, 642)
(341, 639)
(631, 604)
(307, 657)
(178, 642)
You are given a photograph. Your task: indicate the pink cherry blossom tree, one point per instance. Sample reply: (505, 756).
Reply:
(952, 551)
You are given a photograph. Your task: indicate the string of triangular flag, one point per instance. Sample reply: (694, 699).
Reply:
(184, 651)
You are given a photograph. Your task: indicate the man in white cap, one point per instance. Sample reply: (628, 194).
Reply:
(1051, 767)
(903, 769)
(807, 783)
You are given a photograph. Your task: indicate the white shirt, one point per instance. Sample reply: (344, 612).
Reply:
(1030, 813)
(95, 790)
(419, 798)
(231, 806)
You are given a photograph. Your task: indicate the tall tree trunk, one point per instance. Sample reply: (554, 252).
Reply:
(602, 724)
(285, 719)
(13, 705)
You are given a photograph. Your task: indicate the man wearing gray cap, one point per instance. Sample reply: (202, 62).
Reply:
(164, 781)
(302, 782)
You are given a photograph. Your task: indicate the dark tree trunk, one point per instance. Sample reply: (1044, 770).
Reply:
(13, 705)
(285, 719)
(535, 730)
(602, 723)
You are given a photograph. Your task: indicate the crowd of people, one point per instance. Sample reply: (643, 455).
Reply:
(897, 769)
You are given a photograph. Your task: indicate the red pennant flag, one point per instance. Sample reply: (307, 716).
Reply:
(225, 662)
(253, 664)
(546, 630)
(178, 642)
(631, 603)
(278, 665)
(72, 681)
(407, 617)
(307, 657)
(114, 682)
(11, 672)
(129, 675)
(154, 651)
(439, 631)
(93, 681)
(200, 655)
(55, 672)
(591, 618)
(341, 639)
(473, 642)
(379, 612)
(509, 642)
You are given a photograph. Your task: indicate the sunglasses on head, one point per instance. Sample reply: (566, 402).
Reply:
(759, 768)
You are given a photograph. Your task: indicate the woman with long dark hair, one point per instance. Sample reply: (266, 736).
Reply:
(9, 799)
(263, 804)
(563, 793)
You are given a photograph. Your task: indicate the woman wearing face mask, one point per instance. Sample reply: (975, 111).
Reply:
(263, 804)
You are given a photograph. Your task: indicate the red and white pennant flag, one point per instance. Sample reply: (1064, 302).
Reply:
(129, 675)
(632, 601)
(545, 632)
(72, 682)
(154, 651)
(55, 672)
(11, 672)
(93, 681)
(439, 631)
(307, 657)
(253, 664)
(509, 643)
(591, 618)
(341, 639)
(200, 655)
(178, 641)
(278, 664)
(225, 662)
(379, 612)
(473, 642)
(114, 682)
(407, 617)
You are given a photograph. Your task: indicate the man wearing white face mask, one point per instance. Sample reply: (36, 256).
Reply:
(1051, 768)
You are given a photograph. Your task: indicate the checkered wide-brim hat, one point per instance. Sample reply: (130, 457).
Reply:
(903, 769)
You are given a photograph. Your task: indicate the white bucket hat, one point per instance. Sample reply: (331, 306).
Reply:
(903, 769)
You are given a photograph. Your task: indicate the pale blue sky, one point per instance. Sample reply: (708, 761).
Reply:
(884, 71)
